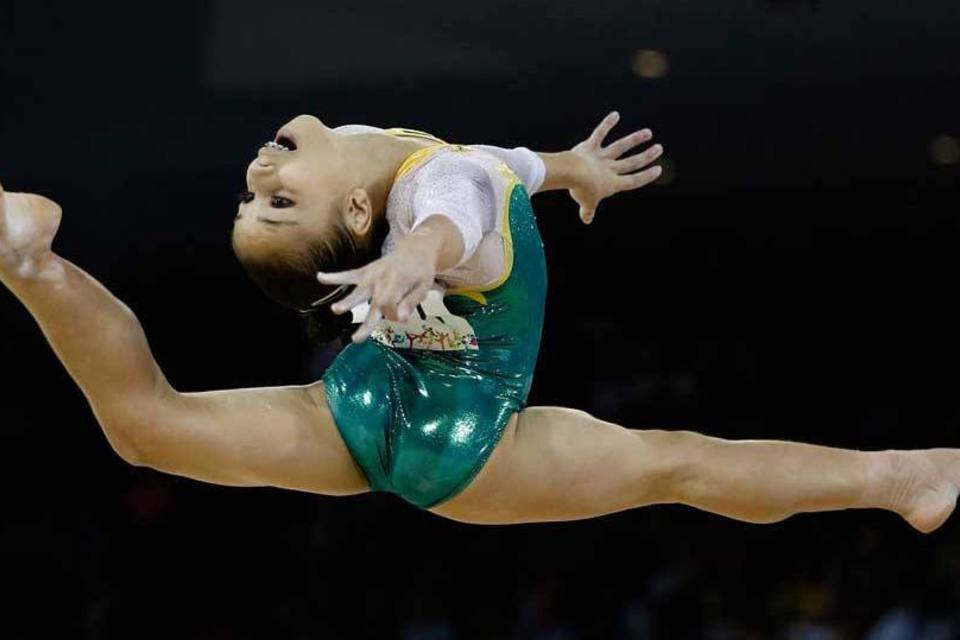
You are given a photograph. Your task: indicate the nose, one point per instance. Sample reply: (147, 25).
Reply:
(263, 168)
(261, 172)
(267, 157)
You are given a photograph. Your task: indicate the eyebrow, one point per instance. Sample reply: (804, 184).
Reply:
(271, 221)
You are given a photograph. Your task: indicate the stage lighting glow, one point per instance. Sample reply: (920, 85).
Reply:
(650, 63)
(944, 150)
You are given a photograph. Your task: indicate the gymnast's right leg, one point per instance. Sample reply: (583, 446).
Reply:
(562, 464)
(279, 436)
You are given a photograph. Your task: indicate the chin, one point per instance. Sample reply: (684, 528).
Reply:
(306, 122)
(303, 129)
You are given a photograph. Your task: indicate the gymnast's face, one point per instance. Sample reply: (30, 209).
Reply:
(293, 188)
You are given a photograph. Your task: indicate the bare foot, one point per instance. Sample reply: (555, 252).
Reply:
(28, 223)
(924, 486)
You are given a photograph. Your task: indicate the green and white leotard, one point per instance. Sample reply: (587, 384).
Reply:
(421, 405)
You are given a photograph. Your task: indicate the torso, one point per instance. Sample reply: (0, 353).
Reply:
(421, 414)
(487, 267)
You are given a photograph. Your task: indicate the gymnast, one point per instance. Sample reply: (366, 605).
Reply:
(426, 254)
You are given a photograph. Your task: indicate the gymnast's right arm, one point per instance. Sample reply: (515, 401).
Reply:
(280, 436)
(589, 171)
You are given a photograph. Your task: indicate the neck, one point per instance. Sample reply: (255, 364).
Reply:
(378, 158)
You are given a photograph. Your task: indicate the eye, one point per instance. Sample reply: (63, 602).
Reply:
(279, 202)
(244, 197)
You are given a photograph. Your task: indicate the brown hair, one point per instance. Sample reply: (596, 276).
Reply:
(290, 278)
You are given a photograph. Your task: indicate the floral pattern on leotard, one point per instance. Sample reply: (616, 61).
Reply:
(433, 333)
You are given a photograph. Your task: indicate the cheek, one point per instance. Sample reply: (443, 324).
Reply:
(315, 179)
(299, 175)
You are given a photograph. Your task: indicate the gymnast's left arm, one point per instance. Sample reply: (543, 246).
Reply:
(590, 171)
(397, 282)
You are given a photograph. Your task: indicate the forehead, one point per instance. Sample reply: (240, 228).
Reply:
(257, 241)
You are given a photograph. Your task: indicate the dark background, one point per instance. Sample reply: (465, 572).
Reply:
(792, 276)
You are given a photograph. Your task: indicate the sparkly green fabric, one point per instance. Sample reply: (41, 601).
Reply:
(422, 423)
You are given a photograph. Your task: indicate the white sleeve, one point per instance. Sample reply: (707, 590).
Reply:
(527, 164)
(459, 190)
(351, 129)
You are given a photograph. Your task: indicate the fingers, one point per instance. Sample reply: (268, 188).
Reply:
(639, 160)
(359, 295)
(373, 319)
(389, 305)
(600, 132)
(393, 286)
(641, 179)
(624, 144)
(341, 277)
(586, 214)
(410, 302)
(384, 299)
(388, 299)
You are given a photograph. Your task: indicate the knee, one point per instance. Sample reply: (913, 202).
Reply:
(669, 463)
(123, 435)
(127, 449)
(131, 432)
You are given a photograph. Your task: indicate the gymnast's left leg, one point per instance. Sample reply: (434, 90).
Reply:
(561, 464)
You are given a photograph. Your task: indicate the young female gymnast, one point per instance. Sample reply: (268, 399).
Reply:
(446, 278)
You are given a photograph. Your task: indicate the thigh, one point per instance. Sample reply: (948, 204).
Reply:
(271, 436)
(563, 464)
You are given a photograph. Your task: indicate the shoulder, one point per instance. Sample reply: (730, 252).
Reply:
(455, 166)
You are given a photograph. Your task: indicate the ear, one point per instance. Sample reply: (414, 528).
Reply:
(358, 212)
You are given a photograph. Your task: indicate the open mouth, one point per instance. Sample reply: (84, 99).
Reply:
(286, 140)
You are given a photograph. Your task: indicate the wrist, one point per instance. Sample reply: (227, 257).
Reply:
(565, 170)
(422, 246)
(438, 241)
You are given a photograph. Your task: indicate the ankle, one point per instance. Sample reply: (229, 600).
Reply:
(17, 268)
(880, 487)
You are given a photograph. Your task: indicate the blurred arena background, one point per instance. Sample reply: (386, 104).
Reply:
(792, 276)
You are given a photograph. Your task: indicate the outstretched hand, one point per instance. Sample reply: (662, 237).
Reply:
(608, 170)
(393, 285)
